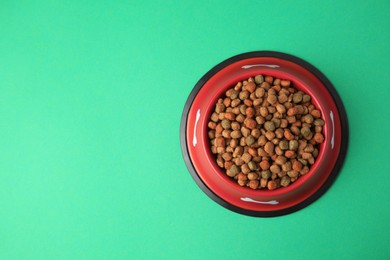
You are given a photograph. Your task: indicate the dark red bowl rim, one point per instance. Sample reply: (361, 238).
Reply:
(332, 92)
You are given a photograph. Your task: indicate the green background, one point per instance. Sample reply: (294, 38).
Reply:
(91, 95)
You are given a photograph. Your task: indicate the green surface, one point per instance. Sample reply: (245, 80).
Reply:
(91, 96)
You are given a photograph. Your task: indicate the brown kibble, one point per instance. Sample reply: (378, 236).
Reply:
(316, 113)
(252, 151)
(289, 154)
(235, 102)
(253, 184)
(285, 181)
(269, 126)
(270, 135)
(308, 119)
(274, 168)
(263, 111)
(306, 98)
(233, 170)
(286, 166)
(305, 131)
(319, 122)
(271, 185)
(220, 141)
(277, 88)
(250, 86)
(297, 166)
(285, 83)
(235, 134)
(307, 156)
(318, 129)
(282, 98)
(226, 133)
(250, 140)
(288, 135)
(219, 107)
(240, 118)
(319, 138)
(245, 131)
(253, 176)
(269, 148)
(238, 151)
(280, 160)
(242, 179)
(264, 165)
(278, 151)
(260, 120)
(246, 157)
(250, 111)
(272, 99)
(269, 79)
(250, 123)
(227, 102)
(256, 133)
(248, 102)
(211, 125)
(261, 152)
(263, 183)
(280, 108)
(297, 97)
(231, 116)
(295, 130)
(259, 92)
(304, 170)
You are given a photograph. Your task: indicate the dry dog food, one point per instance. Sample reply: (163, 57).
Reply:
(265, 133)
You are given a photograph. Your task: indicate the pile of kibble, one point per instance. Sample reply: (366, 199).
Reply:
(265, 133)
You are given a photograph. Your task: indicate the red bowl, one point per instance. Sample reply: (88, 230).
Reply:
(201, 163)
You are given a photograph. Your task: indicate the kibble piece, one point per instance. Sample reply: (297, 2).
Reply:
(272, 99)
(253, 176)
(269, 126)
(286, 166)
(306, 98)
(283, 145)
(319, 138)
(259, 79)
(250, 123)
(250, 112)
(242, 179)
(297, 97)
(219, 107)
(305, 131)
(316, 113)
(293, 145)
(285, 181)
(269, 148)
(250, 140)
(233, 170)
(319, 122)
(274, 168)
(235, 134)
(252, 166)
(225, 123)
(280, 160)
(250, 87)
(288, 135)
(253, 184)
(271, 185)
(264, 165)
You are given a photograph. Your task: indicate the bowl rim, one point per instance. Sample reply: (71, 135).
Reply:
(333, 93)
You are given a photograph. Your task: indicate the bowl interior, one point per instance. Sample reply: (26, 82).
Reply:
(298, 83)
